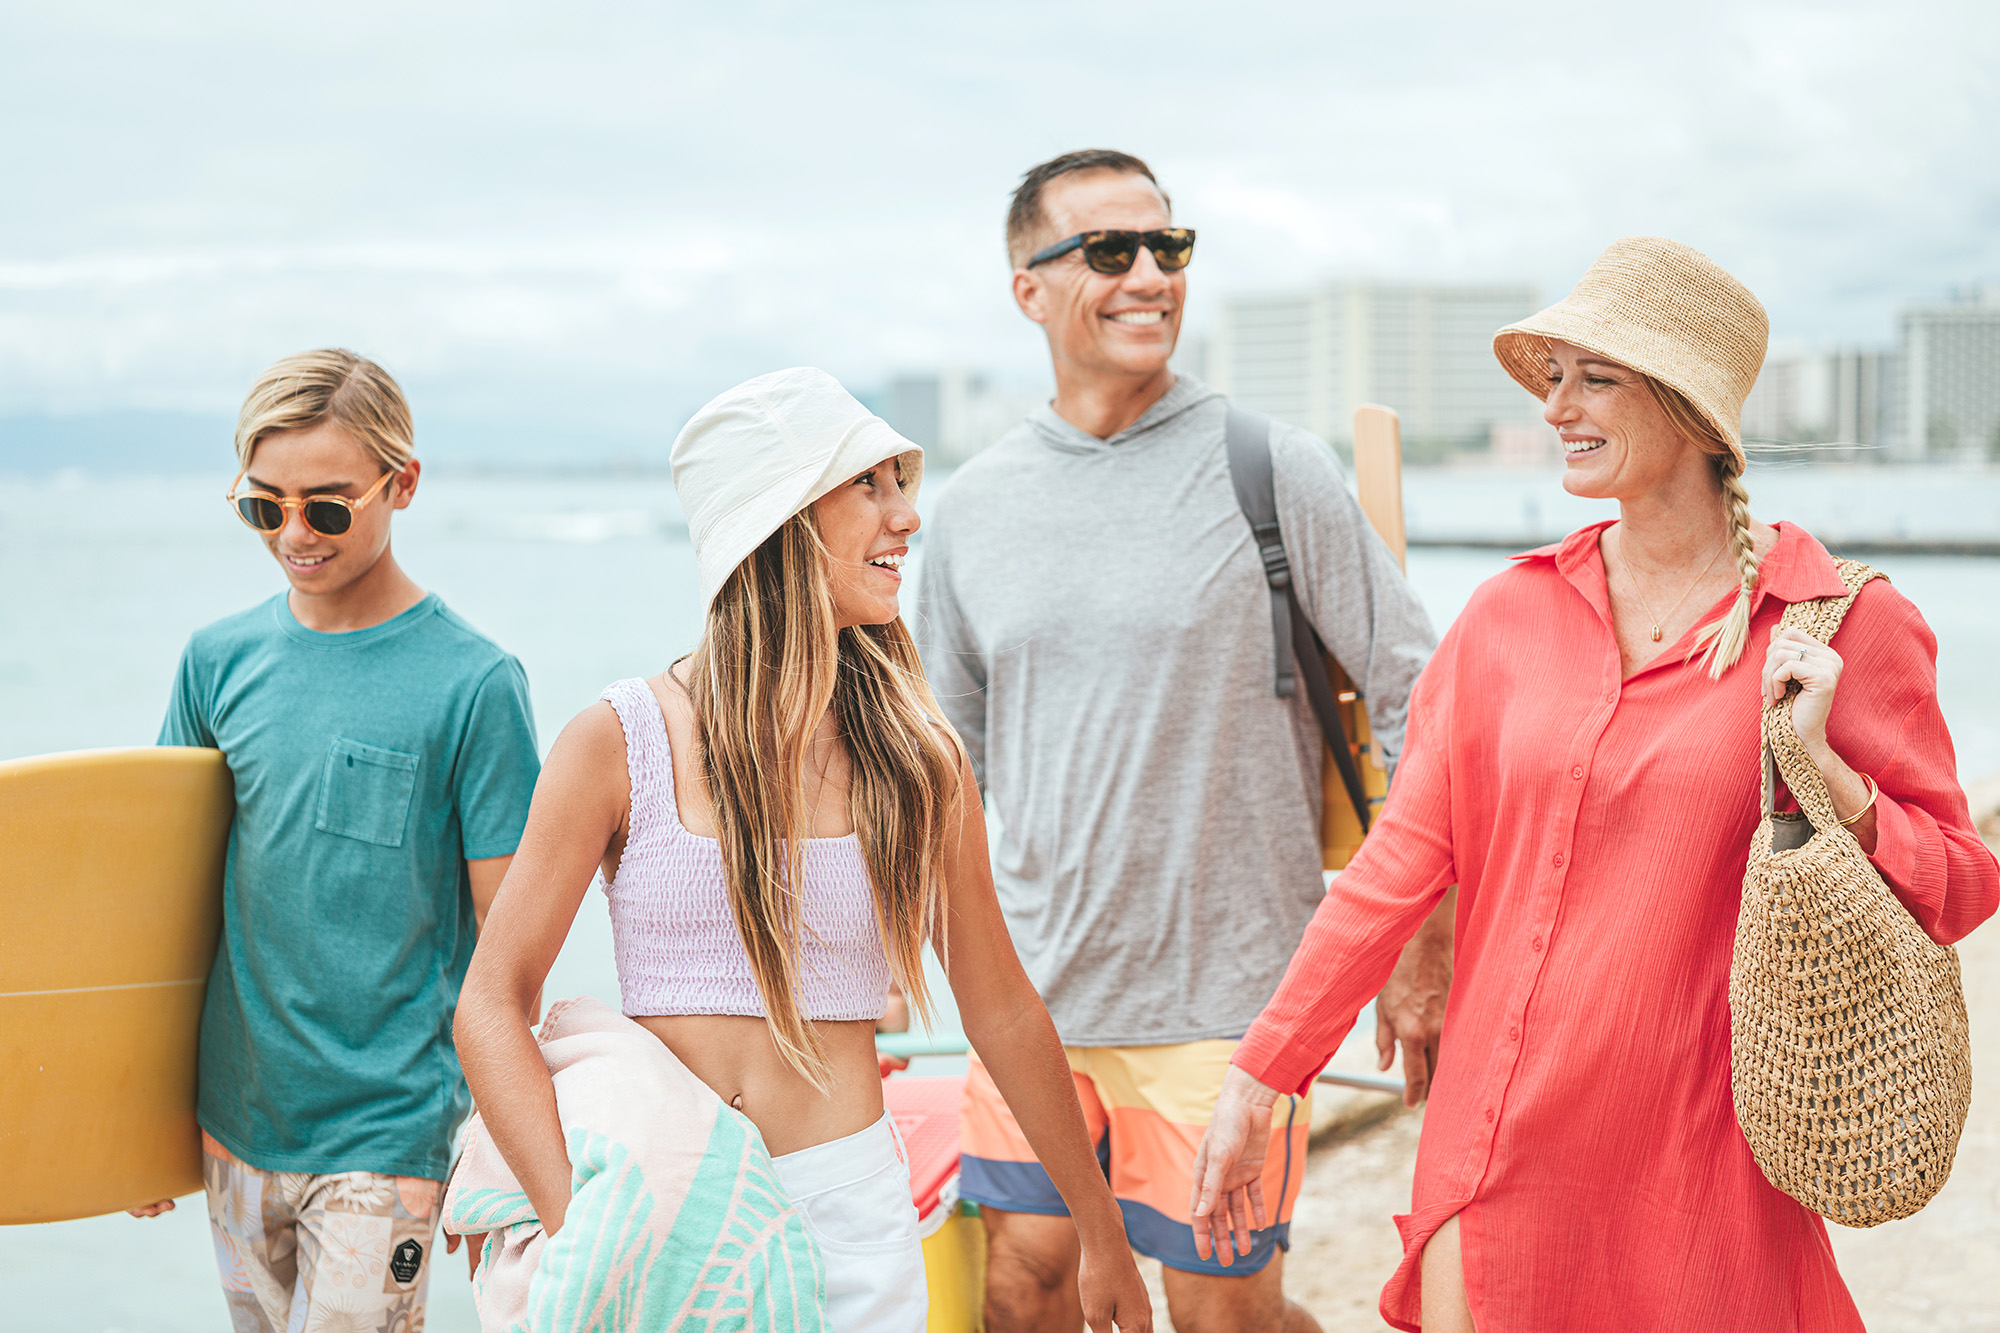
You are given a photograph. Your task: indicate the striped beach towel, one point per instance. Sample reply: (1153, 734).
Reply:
(676, 1219)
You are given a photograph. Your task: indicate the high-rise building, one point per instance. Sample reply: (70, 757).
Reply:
(1313, 357)
(1843, 397)
(954, 413)
(1951, 377)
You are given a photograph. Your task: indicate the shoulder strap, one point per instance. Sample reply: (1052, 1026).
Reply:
(1248, 435)
(1296, 644)
(1819, 617)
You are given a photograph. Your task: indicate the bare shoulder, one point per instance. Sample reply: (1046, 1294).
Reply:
(589, 754)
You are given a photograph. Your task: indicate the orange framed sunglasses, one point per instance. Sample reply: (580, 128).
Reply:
(328, 515)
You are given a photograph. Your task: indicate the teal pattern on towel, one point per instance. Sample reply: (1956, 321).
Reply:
(738, 1259)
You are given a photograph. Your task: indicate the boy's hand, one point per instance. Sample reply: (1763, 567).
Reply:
(153, 1209)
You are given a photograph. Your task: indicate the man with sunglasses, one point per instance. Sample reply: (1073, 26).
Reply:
(383, 755)
(1096, 624)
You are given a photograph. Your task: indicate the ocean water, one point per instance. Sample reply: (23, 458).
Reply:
(589, 579)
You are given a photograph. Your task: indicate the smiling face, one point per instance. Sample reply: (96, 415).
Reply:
(1618, 441)
(865, 525)
(325, 460)
(1120, 325)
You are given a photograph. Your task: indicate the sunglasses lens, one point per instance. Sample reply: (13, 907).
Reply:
(261, 514)
(1111, 252)
(327, 518)
(1172, 249)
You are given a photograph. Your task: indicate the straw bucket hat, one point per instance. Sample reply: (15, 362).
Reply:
(756, 454)
(1663, 309)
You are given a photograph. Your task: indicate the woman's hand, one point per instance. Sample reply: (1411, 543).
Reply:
(1229, 1168)
(1114, 1295)
(153, 1209)
(1797, 655)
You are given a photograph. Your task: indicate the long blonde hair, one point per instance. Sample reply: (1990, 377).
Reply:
(1725, 638)
(770, 666)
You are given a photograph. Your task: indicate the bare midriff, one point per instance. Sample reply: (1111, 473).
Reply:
(735, 1056)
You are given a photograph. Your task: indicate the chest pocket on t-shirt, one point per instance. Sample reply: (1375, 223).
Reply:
(366, 792)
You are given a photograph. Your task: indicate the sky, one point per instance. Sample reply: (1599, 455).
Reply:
(585, 219)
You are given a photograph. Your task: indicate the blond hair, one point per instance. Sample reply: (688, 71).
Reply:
(770, 666)
(331, 384)
(1727, 637)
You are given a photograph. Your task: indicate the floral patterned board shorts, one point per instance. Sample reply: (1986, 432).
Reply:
(301, 1253)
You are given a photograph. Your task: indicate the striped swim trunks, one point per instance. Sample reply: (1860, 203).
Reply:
(1146, 1108)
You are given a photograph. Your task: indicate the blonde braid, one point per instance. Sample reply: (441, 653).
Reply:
(1727, 637)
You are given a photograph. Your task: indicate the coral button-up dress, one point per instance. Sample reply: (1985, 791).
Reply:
(1580, 1124)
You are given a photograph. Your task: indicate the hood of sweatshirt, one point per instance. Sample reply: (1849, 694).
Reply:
(1187, 393)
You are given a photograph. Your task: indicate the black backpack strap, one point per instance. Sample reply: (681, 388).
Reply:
(1297, 646)
(1249, 438)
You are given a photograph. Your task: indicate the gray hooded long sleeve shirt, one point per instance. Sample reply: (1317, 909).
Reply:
(1094, 620)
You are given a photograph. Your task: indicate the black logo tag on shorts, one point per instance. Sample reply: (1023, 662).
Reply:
(409, 1257)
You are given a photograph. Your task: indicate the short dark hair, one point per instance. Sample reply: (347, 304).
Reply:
(1025, 215)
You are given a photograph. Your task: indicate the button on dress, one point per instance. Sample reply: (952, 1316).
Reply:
(1580, 1123)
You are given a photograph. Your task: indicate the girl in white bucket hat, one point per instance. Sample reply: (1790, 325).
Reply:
(781, 822)
(1583, 762)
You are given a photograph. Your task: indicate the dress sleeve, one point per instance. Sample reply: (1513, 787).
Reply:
(497, 765)
(1886, 724)
(1372, 908)
(952, 661)
(1349, 583)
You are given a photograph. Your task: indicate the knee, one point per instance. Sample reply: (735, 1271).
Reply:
(1030, 1274)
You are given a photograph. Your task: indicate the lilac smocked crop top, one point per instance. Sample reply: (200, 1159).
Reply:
(671, 926)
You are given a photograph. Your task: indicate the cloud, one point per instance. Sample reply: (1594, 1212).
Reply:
(601, 214)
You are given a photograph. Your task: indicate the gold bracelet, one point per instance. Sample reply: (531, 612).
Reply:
(1873, 792)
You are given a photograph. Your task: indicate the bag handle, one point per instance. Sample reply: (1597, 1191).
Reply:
(1297, 647)
(1783, 752)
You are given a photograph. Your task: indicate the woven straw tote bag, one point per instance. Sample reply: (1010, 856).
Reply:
(1850, 1056)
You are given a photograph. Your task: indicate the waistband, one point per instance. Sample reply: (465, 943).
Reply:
(837, 1162)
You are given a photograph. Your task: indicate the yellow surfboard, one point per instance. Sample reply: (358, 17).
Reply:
(1378, 477)
(110, 903)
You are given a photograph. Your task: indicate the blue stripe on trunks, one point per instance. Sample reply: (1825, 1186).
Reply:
(1171, 1241)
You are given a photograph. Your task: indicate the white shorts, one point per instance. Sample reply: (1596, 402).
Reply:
(854, 1196)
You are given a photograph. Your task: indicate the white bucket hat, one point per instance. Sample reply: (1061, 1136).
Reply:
(759, 453)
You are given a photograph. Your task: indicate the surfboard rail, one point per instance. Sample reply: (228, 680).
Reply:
(111, 868)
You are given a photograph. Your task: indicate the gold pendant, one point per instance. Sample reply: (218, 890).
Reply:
(1656, 634)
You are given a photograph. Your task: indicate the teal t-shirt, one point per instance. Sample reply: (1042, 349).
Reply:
(369, 767)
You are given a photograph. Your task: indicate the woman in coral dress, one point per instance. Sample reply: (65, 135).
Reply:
(1583, 762)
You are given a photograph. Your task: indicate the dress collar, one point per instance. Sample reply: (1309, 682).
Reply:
(1796, 568)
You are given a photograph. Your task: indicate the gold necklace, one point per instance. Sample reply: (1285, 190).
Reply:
(1648, 606)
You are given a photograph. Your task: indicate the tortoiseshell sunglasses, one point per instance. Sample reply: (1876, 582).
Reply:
(328, 515)
(1116, 251)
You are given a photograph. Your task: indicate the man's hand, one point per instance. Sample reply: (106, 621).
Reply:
(153, 1209)
(1410, 1010)
(1229, 1169)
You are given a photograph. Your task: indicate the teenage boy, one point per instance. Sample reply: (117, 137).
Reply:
(383, 754)
(1096, 623)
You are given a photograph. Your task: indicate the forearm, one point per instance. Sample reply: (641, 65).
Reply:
(1849, 791)
(1018, 1044)
(517, 1101)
